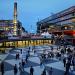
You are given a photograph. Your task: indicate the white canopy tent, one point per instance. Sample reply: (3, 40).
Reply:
(46, 34)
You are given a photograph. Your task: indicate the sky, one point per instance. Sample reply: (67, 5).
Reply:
(30, 11)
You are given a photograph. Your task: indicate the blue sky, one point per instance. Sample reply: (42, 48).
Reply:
(30, 10)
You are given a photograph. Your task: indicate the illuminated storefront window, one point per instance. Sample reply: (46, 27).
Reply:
(1, 44)
(11, 43)
(32, 42)
(49, 41)
(27, 43)
(7, 44)
(20, 43)
(35, 42)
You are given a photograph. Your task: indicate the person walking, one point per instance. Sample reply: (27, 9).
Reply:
(15, 69)
(16, 56)
(21, 51)
(23, 64)
(2, 68)
(20, 68)
(44, 72)
(31, 70)
(50, 71)
(67, 68)
(64, 61)
(41, 64)
(26, 58)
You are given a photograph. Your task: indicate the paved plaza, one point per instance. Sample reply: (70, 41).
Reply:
(34, 61)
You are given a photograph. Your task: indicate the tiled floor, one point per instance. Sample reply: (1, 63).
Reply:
(10, 61)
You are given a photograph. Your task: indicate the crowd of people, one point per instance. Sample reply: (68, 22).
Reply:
(21, 66)
(63, 53)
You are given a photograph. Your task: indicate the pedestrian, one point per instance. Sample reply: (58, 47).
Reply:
(41, 64)
(50, 71)
(2, 68)
(28, 52)
(21, 51)
(31, 70)
(23, 64)
(51, 48)
(15, 69)
(64, 61)
(20, 68)
(44, 72)
(34, 51)
(67, 68)
(29, 48)
(18, 56)
(26, 58)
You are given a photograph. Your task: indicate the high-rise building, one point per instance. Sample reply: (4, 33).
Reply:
(13, 27)
(15, 19)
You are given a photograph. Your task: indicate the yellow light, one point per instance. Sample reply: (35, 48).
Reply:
(73, 20)
(1, 44)
(65, 27)
(14, 21)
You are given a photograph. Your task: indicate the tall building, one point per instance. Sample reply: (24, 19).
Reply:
(62, 21)
(13, 27)
(15, 19)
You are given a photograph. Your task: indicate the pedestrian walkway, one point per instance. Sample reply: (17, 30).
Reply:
(34, 61)
(4, 55)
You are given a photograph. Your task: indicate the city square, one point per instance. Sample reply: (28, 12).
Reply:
(34, 60)
(39, 39)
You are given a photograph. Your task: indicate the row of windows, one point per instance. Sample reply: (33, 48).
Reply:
(62, 18)
(54, 18)
(6, 24)
(26, 43)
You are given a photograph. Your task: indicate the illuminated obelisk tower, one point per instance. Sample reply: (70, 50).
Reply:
(15, 19)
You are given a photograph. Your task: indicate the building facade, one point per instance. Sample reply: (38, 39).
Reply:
(11, 27)
(8, 27)
(64, 20)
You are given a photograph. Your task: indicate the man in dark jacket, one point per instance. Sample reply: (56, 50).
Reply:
(15, 69)
(2, 68)
(31, 70)
(64, 61)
